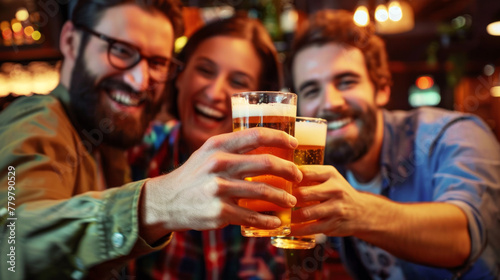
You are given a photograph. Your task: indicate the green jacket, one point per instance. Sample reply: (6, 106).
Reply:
(62, 222)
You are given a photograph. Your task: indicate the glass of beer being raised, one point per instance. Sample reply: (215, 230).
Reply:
(311, 134)
(275, 110)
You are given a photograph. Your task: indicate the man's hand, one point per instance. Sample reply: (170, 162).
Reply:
(341, 209)
(430, 233)
(203, 193)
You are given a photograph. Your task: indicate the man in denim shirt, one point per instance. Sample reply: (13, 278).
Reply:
(413, 195)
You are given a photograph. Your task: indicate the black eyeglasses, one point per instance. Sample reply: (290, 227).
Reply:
(124, 56)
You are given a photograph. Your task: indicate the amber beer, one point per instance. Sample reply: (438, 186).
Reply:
(311, 134)
(274, 110)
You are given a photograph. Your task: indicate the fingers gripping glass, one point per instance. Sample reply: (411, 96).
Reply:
(124, 56)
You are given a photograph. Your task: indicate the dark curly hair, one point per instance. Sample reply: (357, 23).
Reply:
(337, 26)
(239, 26)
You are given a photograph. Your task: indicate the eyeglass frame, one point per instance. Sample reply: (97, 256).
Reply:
(171, 61)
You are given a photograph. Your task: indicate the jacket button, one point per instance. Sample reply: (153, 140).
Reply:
(117, 239)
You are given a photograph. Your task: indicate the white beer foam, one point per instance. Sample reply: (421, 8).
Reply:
(310, 133)
(268, 109)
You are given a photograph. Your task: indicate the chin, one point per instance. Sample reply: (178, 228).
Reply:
(127, 131)
(124, 139)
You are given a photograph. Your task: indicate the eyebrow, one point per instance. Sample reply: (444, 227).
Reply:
(111, 40)
(338, 76)
(208, 60)
(306, 85)
(205, 59)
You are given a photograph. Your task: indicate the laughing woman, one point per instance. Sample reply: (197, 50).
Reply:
(221, 58)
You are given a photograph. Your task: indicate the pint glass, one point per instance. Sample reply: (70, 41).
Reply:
(275, 110)
(311, 134)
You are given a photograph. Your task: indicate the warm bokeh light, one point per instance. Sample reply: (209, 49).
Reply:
(28, 31)
(424, 82)
(22, 14)
(493, 28)
(36, 35)
(4, 25)
(381, 14)
(19, 37)
(36, 77)
(361, 16)
(4, 85)
(288, 19)
(17, 27)
(495, 91)
(395, 12)
(400, 11)
(179, 43)
(7, 34)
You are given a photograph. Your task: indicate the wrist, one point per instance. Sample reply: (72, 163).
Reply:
(376, 215)
(151, 226)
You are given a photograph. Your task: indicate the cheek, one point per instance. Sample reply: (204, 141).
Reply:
(181, 104)
(186, 84)
(181, 94)
(188, 89)
(159, 93)
(307, 108)
(97, 62)
(184, 103)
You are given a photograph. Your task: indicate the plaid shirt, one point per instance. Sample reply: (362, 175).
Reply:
(214, 254)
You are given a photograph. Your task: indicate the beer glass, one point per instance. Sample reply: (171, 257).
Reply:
(311, 134)
(275, 110)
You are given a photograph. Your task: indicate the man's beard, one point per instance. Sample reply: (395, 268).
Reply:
(343, 151)
(96, 120)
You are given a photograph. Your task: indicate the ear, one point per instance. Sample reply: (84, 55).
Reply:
(382, 96)
(69, 42)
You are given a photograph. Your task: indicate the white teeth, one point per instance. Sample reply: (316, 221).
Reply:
(210, 112)
(338, 123)
(124, 98)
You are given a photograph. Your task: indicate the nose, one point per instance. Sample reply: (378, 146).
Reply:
(138, 76)
(217, 88)
(333, 98)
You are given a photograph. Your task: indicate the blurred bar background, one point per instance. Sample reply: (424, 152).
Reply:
(440, 51)
(443, 53)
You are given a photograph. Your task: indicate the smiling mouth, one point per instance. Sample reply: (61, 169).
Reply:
(126, 98)
(337, 124)
(209, 112)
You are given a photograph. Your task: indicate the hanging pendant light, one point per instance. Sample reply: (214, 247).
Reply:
(494, 27)
(361, 16)
(395, 11)
(381, 13)
(400, 18)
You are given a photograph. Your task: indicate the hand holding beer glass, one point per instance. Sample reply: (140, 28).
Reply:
(275, 110)
(311, 134)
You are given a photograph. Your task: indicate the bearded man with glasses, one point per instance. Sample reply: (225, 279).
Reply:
(67, 208)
